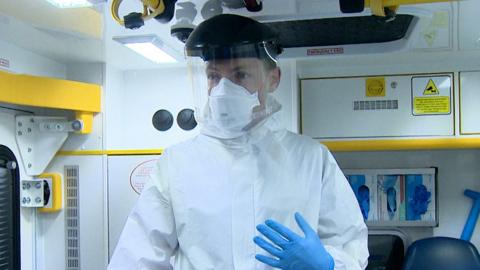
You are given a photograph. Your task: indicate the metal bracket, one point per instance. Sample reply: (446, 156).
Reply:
(39, 138)
(32, 193)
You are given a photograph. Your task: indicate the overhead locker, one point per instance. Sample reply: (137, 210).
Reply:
(414, 105)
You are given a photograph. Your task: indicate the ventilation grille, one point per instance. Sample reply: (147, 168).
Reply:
(72, 221)
(6, 220)
(367, 105)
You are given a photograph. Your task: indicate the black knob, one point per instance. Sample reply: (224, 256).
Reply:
(186, 119)
(162, 120)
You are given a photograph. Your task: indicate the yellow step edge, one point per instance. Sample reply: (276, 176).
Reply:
(402, 144)
(111, 152)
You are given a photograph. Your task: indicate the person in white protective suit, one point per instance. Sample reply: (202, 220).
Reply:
(245, 193)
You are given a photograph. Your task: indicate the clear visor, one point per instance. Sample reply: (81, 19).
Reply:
(236, 88)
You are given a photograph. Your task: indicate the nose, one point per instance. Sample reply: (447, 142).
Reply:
(217, 81)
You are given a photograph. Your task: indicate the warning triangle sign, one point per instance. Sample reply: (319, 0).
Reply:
(431, 88)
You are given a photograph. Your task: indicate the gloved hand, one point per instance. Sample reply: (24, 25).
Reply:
(293, 251)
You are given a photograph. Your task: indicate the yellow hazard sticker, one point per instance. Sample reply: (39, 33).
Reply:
(431, 88)
(375, 87)
(431, 105)
(431, 95)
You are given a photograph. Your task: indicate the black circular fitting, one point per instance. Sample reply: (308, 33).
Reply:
(352, 6)
(162, 120)
(253, 5)
(181, 33)
(186, 119)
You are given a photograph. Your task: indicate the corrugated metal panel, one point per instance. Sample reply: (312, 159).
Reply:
(6, 220)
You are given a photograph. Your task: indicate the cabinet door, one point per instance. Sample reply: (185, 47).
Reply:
(468, 20)
(469, 102)
(404, 106)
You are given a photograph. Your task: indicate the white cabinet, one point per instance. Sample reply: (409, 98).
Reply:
(402, 106)
(470, 102)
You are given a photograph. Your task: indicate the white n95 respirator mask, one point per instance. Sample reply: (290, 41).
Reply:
(230, 108)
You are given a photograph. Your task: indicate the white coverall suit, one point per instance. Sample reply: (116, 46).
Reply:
(206, 196)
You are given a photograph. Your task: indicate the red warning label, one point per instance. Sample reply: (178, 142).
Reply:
(325, 51)
(4, 63)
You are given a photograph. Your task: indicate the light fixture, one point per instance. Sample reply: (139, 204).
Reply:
(150, 47)
(70, 3)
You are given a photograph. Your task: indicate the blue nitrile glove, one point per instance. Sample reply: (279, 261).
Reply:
(292, 251)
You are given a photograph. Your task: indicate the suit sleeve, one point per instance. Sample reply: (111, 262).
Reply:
(149, 238)
(341, 227)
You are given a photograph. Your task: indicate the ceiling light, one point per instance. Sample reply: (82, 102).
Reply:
(70, 3)
(150, 47)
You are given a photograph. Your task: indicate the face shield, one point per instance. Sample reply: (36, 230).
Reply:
(232, 87)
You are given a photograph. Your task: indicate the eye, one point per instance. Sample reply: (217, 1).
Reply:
(241, 75)
(213, 76)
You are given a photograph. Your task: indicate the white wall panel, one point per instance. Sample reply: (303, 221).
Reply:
(26, 62)
(434, 29)
(88, 73)
(121, 195)
(113, 105)
(135, 96)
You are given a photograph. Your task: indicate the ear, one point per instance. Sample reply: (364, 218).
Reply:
(274, 78)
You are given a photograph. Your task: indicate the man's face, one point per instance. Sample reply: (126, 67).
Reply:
(247, 72)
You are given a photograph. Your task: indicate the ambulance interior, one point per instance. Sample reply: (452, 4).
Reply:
(83, 117)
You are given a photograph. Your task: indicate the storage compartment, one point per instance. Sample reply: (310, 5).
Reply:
(382, 106)
(469, 101)
(395, 197)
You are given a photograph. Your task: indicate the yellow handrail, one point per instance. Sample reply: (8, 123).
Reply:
(27, 90)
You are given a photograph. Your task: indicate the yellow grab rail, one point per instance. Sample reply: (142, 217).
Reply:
(27, 90)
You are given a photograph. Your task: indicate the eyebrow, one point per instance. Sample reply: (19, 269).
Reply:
(213, 65)
(240, 67)
(237, 68)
